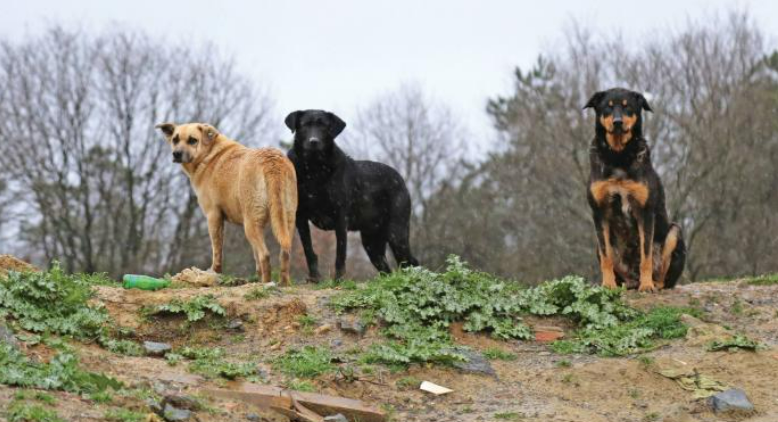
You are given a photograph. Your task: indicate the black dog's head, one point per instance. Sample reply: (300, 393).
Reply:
(314, 130)
(619, 116)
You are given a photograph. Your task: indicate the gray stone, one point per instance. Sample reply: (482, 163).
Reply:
(476, 363)
(154, 406)
(156, 349)
(336, 418)
(235, 324)
(7, 336)
(174, 414)
(353, 326)
(732, 400)
(182, 402)
(336, 342)
(253, 417)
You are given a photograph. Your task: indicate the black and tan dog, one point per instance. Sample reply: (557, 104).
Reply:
(637, 244)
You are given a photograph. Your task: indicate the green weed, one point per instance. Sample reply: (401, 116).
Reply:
(733, 344)
(123, 415)
(308, 362)
(195, 309)
(494, 353)
(25, 412)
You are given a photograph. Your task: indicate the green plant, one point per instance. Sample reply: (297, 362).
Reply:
(408, 383)
(101, 397)
(306, 323)
(25, 412)
(300, 385)
(60, 373)
(508, 416)
(195, 309)
(734, 343)
(564, 363)
(257, 293)
(122, 347)
(173, 359)
(45, 398)
(123, 415)
(651, 417)
(210, 362)
(28, 298)
(634, 393)
(646, 362)
(494, 353)
(633, 335)
(764, 280)
(737, 307)
(308, 362)
(416, 306)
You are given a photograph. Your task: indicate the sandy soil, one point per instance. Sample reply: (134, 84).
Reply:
(538, 386)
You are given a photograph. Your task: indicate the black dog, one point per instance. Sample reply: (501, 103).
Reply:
(634, 236)
(341, 194)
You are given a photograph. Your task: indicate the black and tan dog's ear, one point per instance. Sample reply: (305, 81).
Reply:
(209, 132)
(166, 128)
(596, 99)
(643, 102)
(293, 119)
(336, 124)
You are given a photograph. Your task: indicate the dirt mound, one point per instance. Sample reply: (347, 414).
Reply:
(12, 263)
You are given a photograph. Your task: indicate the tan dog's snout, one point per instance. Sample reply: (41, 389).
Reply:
(181, 157)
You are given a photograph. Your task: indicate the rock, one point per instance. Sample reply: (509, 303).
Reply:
(197, 277)
(235, 324)
(154, 406)
(732, 400)
(335, 418)
(322, 329)
(476, 363)
(174, 414)
(353, 326)
(156, 349)
(336, 342)
(253, 417)
(182, 402)
(7, 336)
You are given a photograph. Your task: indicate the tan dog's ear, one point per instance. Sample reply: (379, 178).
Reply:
(166, 128)
(209, 133)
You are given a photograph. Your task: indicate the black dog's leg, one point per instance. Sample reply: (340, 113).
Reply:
(604, 249)
(673, 258)
(341, 234)
(399, 241)
(310, 256)
(646, 232)
(375, 246)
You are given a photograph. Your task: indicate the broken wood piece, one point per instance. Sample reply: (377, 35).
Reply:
(546, 334)
(434, 388)
(297, 404)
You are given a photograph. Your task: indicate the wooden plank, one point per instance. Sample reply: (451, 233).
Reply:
(283, 400)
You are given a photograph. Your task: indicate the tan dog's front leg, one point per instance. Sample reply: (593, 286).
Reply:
(216, 232)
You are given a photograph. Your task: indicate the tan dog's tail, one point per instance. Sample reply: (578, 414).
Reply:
(283, 205)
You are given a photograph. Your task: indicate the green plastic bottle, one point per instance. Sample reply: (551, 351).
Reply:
(144, 282)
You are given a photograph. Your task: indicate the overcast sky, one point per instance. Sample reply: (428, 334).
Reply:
(338, 55)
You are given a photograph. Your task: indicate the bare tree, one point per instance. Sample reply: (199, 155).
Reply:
(78, 119)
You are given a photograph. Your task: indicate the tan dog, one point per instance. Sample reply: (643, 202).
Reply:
(243, 185)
